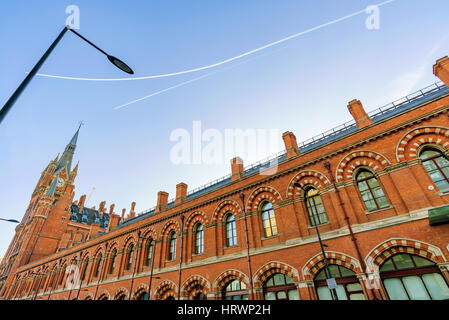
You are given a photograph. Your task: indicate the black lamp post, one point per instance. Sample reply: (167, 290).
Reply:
(248, 257)
(327, 270)
(10, 220)
(180, 257)
(117, 62)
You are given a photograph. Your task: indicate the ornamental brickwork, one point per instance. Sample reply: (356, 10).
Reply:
(370, 185)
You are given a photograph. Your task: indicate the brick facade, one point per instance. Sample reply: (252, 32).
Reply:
(387, 145)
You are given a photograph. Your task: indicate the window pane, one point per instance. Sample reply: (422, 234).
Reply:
(245, 297)
(293, 294)
(403, 261)
(387, 266)
(341, 293)
(279, 279)
(353, 287)
(346, 272)
(281, 295)
(436, 285)
(421, 262)
(270, 296)
(415, 288)
(395, 289)
(289, 280)
(323, 293)
(356, 296)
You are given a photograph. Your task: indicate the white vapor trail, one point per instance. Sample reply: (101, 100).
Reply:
(221, 62)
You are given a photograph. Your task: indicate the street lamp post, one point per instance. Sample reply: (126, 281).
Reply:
(327, 270)
(7, 107)
(9, 220)
(180, 257)
(135, 265)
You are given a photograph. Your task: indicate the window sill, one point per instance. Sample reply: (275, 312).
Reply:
(320, 225)
(379, 210)
(234, 246)
(197, 254)
(270, 237)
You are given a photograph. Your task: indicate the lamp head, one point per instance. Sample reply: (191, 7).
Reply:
(120, 64)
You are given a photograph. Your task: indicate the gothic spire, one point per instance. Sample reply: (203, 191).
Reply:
(67, 156)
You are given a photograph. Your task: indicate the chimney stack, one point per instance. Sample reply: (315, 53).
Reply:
(441, 70)
(111, 209)
(237, 170)
(81, 202)
(362, 120)
(102, 208)
(132, 213)
(162, 201)
(181, 193)
(291, 146)
(123, 213)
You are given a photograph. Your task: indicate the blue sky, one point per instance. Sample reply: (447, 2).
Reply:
(302, 85)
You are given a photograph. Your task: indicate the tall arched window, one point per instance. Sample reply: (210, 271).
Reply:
(411, 277)
(199, 238)
(172, 246)
(98, 265)
(129, 260)
(268, 219)
(149, 251)
(235, 290)
(437, 166)
(348, 286)
(113, 261)
(315, 208)
(280, 287)
(231, 232)
(371, 191)
(84, 272)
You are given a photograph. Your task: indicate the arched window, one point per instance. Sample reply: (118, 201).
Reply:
(142, 296)
(348, 286)
(268, 220)
(122, 296)
(371, 191)
(84, 272)
(315, 208)
(113, 261)
(437, 166)
(61, 276)
(172, 246)
(199, 238)
(280, 287)
(231, 232)
(235, 290)
(411, 277)
(149, 251)
(129, 260)
(98, 265)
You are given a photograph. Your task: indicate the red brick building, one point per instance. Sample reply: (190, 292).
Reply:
(376, 188)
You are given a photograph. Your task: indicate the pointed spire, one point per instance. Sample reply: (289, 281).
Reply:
(57, 157)
(67, 156)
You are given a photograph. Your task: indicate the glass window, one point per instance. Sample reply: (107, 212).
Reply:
(280, 287)
(113, 261)
(370, 190)
(199, 241)
(172, 246)
(437, 166)
(410, 277)
(130, 256)
(235, 290)
(348, 286)
(268, 220)
(315, 208)
(231, 232)
(149, 254)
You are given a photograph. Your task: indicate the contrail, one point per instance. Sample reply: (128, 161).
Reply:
(194, 79)
(221, 62)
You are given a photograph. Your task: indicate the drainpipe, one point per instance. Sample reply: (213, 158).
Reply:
(180, 257)
(327, 165)
(242, 197)
(135, 264)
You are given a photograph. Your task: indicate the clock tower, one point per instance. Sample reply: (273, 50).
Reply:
(47, 215)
